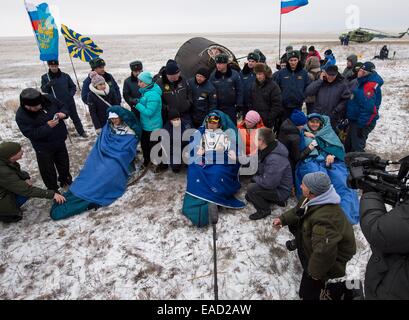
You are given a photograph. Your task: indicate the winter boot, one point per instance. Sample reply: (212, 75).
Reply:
(259, 215)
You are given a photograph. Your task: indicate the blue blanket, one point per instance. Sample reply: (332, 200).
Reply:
(214, 177)
(104, 176)
(338, 175)
(327, 139)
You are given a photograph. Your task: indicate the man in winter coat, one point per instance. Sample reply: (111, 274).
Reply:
(98, 65)
(248, 77)
(313, 67)
(303, 55)
(16, 187)
(363, 108)
(266, 96)
(273, 181)
(331, 93)
(204, 96)
(150, 108)
(293, 80)
(384, 54)
(313, 53)
(329, 59)
(131, 91)
(41, 119)
(290, 136)
(288, 49)
(388, 234)
(348, 73)
(175, 93)
(60, 83)
(229, 87)
(323, 236)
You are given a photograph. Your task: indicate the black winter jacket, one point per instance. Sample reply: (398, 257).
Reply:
(290, 137)
(34, 125)
(331, 98)
(266, 100)
(387, 272)
(175, 96)
(98, 108)
(63, 86)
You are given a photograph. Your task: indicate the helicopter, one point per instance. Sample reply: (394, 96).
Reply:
(362, 35)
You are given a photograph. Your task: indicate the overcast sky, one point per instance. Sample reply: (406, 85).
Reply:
(207, 16)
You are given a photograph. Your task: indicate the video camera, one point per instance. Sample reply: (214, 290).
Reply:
(368, 171)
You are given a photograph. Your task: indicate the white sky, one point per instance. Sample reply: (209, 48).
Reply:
(206, 16)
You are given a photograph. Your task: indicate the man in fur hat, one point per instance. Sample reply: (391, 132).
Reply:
(41, 119)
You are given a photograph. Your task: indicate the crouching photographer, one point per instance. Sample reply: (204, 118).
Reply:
(387, 273)
(323, 237)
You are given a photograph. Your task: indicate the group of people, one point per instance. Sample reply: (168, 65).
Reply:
(235, 117)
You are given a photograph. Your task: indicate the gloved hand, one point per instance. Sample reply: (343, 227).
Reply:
(134, 101)
(51, 83)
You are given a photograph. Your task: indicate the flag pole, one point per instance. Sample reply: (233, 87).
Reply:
(279, 38)
(75, 72)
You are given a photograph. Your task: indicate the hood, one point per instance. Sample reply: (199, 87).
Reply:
(288, 127)
(152, 87)
(329, 197)
(128, 117)
(373, 77)
(354, 59)
(280, 150)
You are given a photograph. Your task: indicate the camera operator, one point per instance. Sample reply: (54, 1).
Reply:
(323, 236)
(387, 273)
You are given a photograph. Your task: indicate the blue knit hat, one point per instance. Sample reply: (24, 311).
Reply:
(298, 118)
(146, 77)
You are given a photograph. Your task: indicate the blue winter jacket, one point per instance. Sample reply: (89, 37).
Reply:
(366, 99)
(150, 107)
(204, 99)
(293, 85)
(330, 61)
(63, 87)
(229, 88)
(248, 77)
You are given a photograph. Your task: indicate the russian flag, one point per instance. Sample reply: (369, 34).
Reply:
(290, 5)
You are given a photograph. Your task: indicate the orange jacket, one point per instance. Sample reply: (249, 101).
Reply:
(249, 137)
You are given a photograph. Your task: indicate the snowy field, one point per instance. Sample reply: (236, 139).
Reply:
(142, 247)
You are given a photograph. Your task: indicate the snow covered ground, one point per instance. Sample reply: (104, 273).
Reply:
(142, 247)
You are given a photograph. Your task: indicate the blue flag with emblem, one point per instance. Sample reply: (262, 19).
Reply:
(45, 30)
(80, 46)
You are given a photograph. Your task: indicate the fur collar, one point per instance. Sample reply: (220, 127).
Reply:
(228, 74)
(100, 92)
(299, 67)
